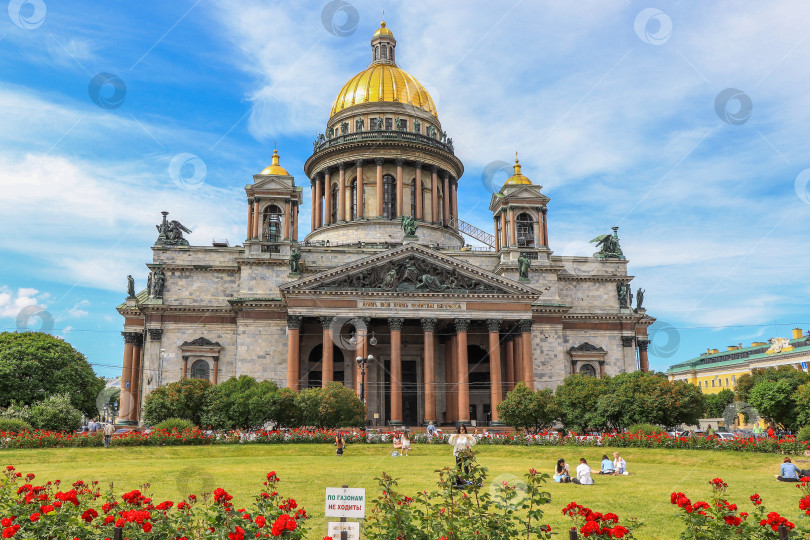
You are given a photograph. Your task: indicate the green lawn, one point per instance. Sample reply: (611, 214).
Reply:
(306, 470)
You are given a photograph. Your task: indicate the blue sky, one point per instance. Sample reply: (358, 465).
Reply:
(620, 111)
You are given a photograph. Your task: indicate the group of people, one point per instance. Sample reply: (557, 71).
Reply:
(402, 443)
(616, 467)
(788, 472)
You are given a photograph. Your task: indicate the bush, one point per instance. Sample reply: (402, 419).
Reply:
(524, 409)
(240, 403)
(14, 425)
(181, 399)
(179, 424)
(646, 429)
(803, 434)
(56, 414)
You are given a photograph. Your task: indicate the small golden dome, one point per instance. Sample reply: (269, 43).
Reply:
(517, 178)
(383, 83)
(382, 31)
(275, 168)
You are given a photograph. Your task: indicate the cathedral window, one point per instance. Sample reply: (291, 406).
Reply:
(389, 123)
(413, 197)
(354, 198)
(377, 52)
(272, 224)
(389, 197)
(391, 53)
(373, 124)
(587, 370)
(525, 230)
(384, 52)
(200, 370)
(333, 212)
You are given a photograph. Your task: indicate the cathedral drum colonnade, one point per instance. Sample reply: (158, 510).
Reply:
(385, 273)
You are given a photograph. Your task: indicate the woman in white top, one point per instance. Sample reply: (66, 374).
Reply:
(619, 464)
(461, 442)
(405, 442)
(583, 473)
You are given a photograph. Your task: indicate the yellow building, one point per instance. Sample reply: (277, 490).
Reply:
(715, 370)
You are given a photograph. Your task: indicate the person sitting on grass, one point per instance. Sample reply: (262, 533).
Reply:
(583, 473)
(619, 464)
(607, 466)
(788, 472)
(397, 441)
(562, 473)
(405, 442)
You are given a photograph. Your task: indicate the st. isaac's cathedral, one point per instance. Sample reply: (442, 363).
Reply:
(443, 329)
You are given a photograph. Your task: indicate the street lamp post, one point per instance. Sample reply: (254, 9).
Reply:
(361, 362)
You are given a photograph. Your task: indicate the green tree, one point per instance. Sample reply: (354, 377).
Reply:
(35, 365)
(56, 413)
(775, 401)
(747, 382)
(717, 403)
(576, 399)
(288, 415)
(524, 409)
(240, 403)
(333, 406)
(802, 399)
(182, 399)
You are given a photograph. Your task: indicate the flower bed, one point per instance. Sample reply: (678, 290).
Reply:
(50, 439)
(81, 511)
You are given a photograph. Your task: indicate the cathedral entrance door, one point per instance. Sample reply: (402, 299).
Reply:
(410, 395)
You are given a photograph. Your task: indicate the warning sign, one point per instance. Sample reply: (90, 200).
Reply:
(346, 502)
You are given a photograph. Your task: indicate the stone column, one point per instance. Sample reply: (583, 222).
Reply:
(125, 406)
(215, 378)
(250, 219)
(293, 355)
(256, 218)
(342, 192)
(544, 212)
(510, 364)
(400, 188)
(419, 211)
(319, 201)
(495, 386)
(454, 200)
(312, 182)
(497, 235)
(379, 162)
(135, 377)
(185, 367)
(434, 194)
(602, 368)
(429, 327)
(360, 188)
(643, 361)
(287, 218)
(450, 399)
(463, 371)
(537, 239)
(512, 230)
(294, 218)
(517, 358)
(327, 195)
(395, 325)
(526, 350)
(504, 241)
(446, 200)
(327, 352)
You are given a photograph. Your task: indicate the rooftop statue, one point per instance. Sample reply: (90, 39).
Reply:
(524, 263)
(130, 287)
(170, 233)
(610, 248)
(409, 226)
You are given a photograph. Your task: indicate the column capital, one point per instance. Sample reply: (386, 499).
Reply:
(461, 324)
(643, 343)
(494, 325)
(428, 324)
(454, 181)
(313, 180)
(446, 176)
(418, 165)
(342, 165)
(434, 169)
(379, 161)
(525, 325)
(358, 162)
(155, 334)
(326, 321)
(294, 321)
(396, 323)
(628, 341)
(130, 337)
(326, 171)
(250, 200)
(399, 162)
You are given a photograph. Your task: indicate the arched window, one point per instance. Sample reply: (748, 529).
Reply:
(377, 52)
(587, 370)
(525, 230)
(334, 210)
(391, 53)
(389, 197)
(384, 52)
(200, 370)
(353, 191)
(413, 197)
(272, 224)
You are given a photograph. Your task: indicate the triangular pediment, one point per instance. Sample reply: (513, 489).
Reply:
(272, 182)
(518, 194)
(410, 269)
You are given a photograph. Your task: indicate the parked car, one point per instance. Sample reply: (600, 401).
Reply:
(724, 435)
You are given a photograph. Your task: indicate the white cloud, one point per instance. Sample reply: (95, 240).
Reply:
(11, 303)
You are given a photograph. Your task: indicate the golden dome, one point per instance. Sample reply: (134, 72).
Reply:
(383, 83)
(517, 178)
(382, 31)
(275, 168)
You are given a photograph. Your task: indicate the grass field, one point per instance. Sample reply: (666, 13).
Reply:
(306, 470)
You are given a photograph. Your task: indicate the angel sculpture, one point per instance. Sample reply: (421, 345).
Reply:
(409, 226)
(609, 243)
(170, 233)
